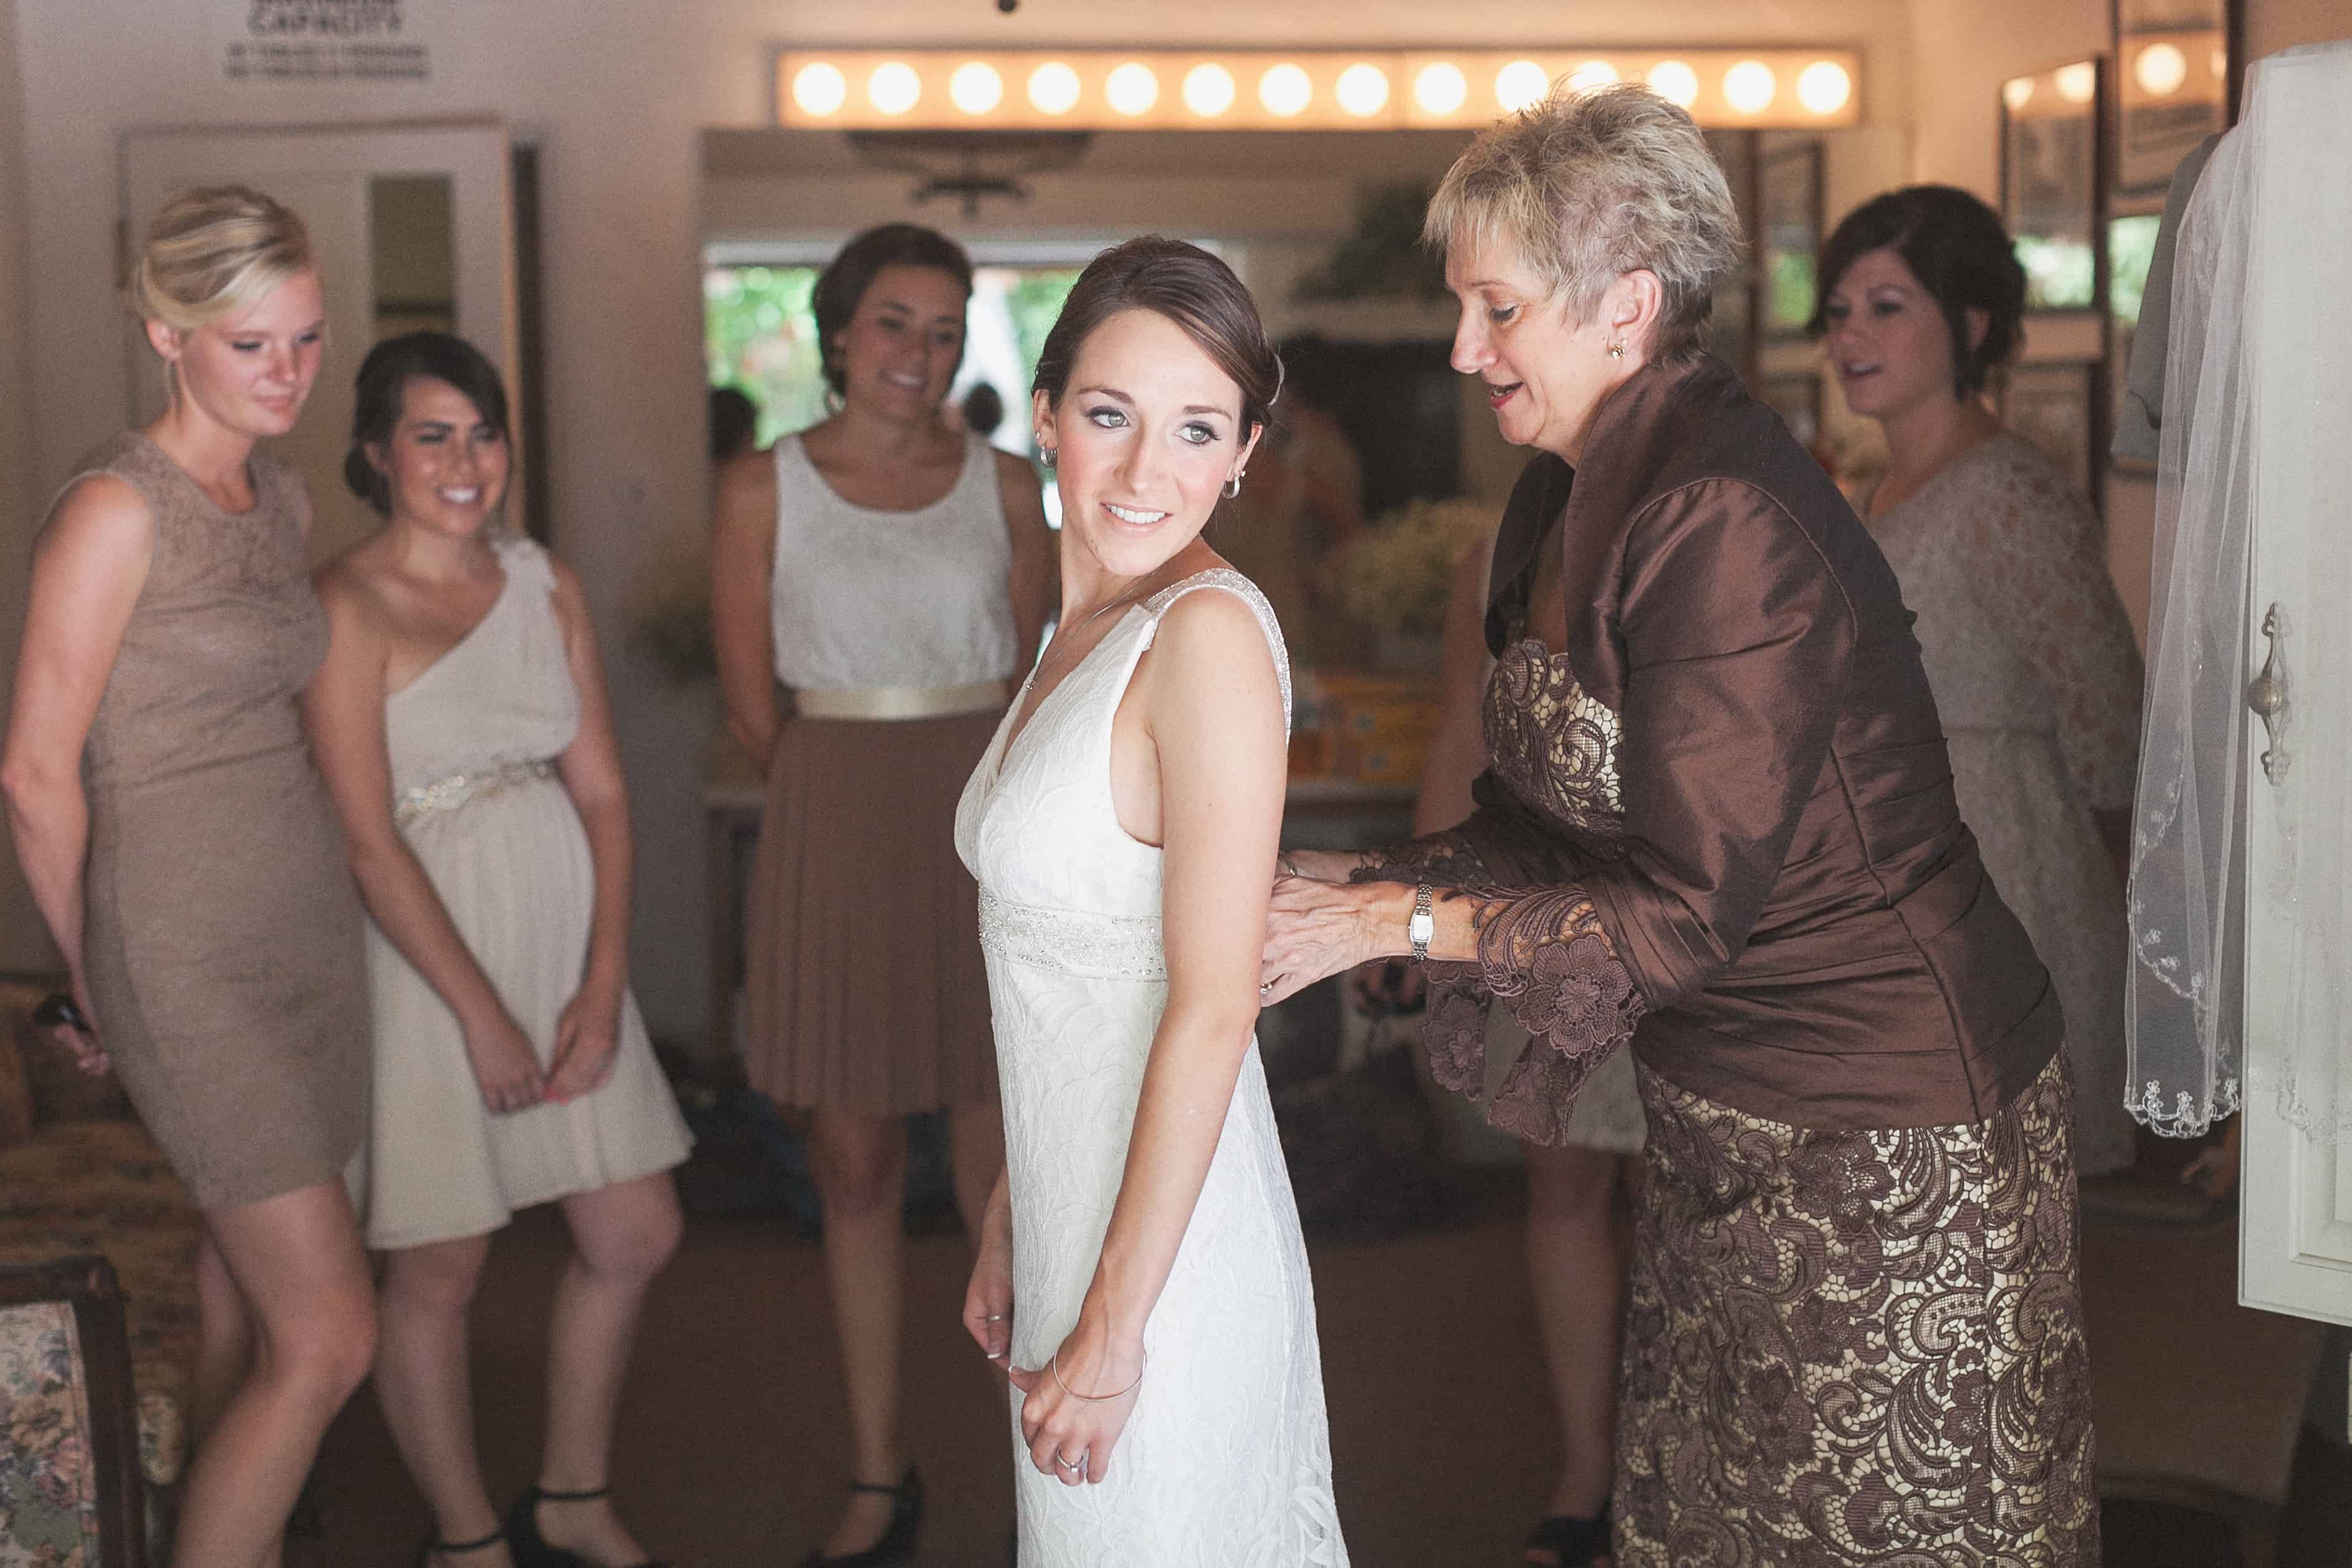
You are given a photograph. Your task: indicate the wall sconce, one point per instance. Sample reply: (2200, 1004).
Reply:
(1086, 89)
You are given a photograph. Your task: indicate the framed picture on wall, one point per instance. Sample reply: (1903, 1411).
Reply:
(2050, 183)
(2177, 71)
(2055, 405)
(1789, 226)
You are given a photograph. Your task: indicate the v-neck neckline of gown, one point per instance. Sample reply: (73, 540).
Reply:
(1021, 726)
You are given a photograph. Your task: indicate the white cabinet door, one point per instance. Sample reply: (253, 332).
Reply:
(413, 226)
(2295, 1234)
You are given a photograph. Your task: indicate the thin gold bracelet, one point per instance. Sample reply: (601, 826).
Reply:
(1055, 1364)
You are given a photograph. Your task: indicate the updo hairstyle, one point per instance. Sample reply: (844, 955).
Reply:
(213, 252)
(1188, 286)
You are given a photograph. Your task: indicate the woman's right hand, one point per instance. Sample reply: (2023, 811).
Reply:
(988, 1299)
(506, 1069)
(90, 1051)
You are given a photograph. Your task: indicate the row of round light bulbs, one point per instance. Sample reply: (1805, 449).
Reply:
(1439, 88)
(2160, 70)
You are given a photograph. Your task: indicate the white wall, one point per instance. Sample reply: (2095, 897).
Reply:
(615, 91)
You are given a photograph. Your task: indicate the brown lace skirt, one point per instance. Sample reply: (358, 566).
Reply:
(864, 987)
(1856, 1347)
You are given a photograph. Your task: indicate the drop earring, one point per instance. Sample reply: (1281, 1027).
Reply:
(1047, 455)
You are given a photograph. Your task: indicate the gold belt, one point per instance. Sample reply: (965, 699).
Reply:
(902, 701)
(449, 794)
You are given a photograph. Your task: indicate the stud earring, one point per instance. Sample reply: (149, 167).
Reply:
(1616, 350)
(1234, 485)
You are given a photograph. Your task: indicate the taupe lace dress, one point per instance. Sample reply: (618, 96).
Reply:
(2038, 681)
(222, 933)
(1719, 827)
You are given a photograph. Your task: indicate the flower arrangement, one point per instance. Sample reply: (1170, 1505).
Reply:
(1393, 576)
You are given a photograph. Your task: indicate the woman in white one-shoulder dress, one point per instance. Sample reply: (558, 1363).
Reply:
(1142, 1274)
(461, 724)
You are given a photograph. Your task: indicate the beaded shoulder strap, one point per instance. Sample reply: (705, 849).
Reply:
(1233, 583)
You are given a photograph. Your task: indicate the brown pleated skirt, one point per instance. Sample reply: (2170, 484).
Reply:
(864, 987)
(1848, 1348)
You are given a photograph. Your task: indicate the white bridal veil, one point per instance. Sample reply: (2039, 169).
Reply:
(2259, 358)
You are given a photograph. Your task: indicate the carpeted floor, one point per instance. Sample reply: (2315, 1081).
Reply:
(1441, 1441)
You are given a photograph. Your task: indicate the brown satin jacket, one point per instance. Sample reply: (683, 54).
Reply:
(1787, 914)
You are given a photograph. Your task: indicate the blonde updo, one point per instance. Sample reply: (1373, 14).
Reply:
(1589, 185)
(212, 252)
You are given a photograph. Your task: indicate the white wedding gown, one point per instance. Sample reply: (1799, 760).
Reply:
(1226, 1458)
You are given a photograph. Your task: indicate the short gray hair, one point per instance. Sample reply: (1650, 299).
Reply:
(1591, 183)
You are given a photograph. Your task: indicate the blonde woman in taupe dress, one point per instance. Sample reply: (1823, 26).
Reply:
(185, 856)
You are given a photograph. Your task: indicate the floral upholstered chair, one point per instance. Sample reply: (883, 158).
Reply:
(70, 1494)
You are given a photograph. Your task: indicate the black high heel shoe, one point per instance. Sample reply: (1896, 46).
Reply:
(433, 1543)
(897, 1542)
(1574, 1543)
(530, 1549)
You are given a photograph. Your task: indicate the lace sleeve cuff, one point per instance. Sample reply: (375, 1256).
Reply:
(1543, 954)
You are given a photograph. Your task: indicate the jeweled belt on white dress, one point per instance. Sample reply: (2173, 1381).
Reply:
(1076, 942)
(458, 789)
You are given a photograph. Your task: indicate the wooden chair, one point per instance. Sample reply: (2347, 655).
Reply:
(69, 1477)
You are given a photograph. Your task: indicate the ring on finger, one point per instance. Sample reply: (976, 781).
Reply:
(1071, 1465)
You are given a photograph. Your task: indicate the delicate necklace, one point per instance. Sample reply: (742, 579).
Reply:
(1063, 635)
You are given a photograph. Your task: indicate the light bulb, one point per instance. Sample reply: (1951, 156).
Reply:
(1750, 87)
(1208, 91)
(1133, 89)
(1520, 85)
(1285, 90)
(1363, 90)
(1441, 88)
(2160, 70)
(1674, 81)
(975, 88)
(2077, 82)
(1591, 74)
(820, 89)
(1053, 89)
(2017, 92)
(894, 88)
(1824, 86)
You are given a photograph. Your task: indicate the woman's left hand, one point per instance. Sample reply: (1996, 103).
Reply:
(587, 1042)
(1317, 929)
(1070, 1439)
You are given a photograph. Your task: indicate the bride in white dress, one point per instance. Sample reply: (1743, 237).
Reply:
(1141, 1276)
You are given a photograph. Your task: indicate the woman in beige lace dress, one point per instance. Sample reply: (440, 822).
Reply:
(2027, 646)
(185, 858)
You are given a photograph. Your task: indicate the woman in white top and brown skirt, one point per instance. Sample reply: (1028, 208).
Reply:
(892, 572)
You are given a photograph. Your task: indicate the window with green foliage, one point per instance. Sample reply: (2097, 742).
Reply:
(760, 337)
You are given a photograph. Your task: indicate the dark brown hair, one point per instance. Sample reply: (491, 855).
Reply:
(383, 390)
(1955, 246)
(1191, 287)
(849, 274)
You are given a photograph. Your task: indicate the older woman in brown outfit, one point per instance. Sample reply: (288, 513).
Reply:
(1719, 825)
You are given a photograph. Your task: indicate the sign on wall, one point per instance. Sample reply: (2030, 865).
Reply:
(312, 41)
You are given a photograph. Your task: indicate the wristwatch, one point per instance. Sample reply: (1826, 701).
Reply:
(1422, 926)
